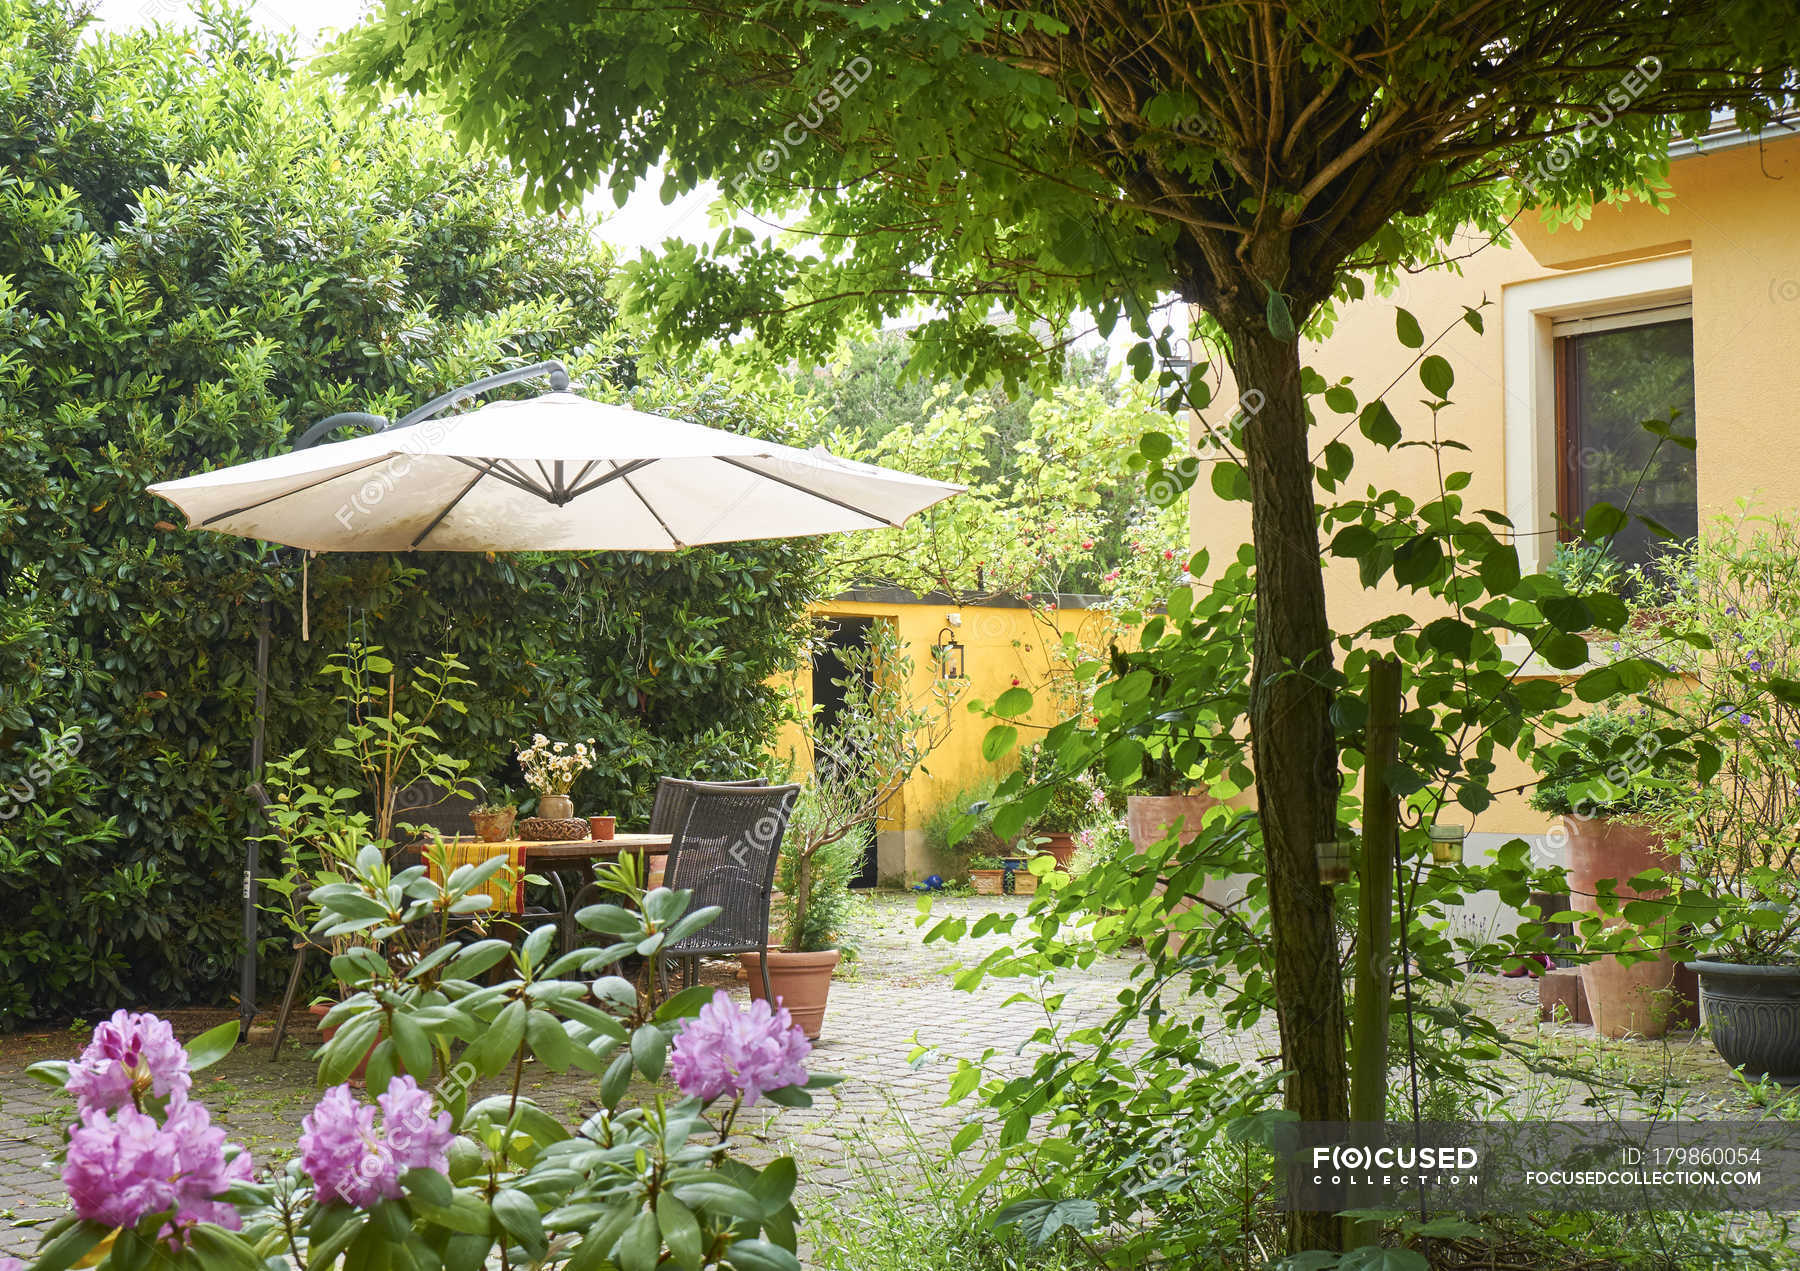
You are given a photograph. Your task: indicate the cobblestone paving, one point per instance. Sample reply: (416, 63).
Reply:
(895, 996)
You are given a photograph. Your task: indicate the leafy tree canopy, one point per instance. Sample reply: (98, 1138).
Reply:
(1035, 159)
(1053, 503)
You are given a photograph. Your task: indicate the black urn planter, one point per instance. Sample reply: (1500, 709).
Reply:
(1754, 1014)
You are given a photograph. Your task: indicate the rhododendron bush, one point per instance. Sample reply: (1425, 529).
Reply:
(426, 1169)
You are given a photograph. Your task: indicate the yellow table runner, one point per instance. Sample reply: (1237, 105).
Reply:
(506, 887)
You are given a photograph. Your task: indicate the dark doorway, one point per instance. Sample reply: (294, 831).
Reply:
(828, 678)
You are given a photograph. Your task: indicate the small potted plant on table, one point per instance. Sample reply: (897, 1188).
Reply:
(493, 820)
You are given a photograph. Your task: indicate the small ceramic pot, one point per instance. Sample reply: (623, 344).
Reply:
(555, 807)
(602, 827)
(495, 826)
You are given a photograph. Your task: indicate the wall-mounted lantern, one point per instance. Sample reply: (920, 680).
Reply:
(947, 652)
(1446, 843)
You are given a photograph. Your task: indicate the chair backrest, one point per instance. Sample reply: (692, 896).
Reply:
(725, 852)
(673, 795)
(426, 804)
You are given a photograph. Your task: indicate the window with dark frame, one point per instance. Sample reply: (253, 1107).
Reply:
(1612, 374)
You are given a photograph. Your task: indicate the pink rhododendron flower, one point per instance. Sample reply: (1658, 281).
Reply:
(418, 1139)
(123, 1166)
(349, 1160)
(130, 1055)
(727, 1051)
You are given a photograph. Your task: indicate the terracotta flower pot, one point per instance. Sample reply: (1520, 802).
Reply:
(319, 1010)
(555, 807)
(1640, 999)
(495, 826)
(801, 981)
(1061, 846)
(1149, 816)
(603, 827)
(988, 882)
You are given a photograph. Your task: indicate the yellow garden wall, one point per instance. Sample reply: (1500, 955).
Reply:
(1005, 642)
(1733, 218)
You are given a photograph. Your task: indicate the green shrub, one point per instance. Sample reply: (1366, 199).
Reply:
(1610, 764)
(944, 817)
(206, 252)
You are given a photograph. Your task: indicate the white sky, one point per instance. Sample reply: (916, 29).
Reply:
(643, 222)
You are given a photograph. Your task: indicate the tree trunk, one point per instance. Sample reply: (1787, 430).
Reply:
(1292, 747)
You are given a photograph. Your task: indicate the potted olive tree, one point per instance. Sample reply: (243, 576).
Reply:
(879, 735)
(1737, 592)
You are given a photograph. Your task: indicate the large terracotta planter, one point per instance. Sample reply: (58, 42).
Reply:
(1059, 845)
(1640, 999)
(802, 982)
(1754, 1014)
(1149, 816)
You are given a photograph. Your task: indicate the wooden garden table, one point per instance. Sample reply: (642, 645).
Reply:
(578, 858)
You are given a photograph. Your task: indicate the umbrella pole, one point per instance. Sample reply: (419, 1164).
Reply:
(252, 847)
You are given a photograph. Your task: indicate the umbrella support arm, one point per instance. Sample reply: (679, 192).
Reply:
(559, 381)
(252, 848)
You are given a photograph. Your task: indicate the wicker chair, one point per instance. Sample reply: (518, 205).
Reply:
(725, 852)
(673, 795)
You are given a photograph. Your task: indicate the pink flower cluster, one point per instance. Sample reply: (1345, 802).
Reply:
(129, 1056)
(123, 1164)
(349, 1160)
(724, 1050)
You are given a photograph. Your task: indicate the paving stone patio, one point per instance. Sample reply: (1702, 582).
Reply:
(894, 997)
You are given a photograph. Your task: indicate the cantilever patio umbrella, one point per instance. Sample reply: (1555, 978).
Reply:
(555, 472)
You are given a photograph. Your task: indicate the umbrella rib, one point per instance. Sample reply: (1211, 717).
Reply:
(624, 475)
(499, 473)
(619, 470)
(299, 489)
(451, 506)
(792, 485)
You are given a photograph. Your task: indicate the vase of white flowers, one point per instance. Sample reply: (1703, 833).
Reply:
(550, 768)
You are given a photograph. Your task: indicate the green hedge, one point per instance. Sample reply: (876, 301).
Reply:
(201, 253)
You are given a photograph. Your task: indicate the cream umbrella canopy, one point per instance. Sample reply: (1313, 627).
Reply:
(549, 473)
(556, 472)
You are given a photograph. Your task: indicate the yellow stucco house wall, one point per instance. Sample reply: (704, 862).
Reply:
(1727, 246)
(1005, 642)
